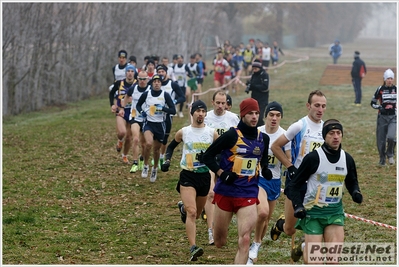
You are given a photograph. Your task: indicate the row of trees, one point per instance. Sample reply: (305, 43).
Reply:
(55, 53)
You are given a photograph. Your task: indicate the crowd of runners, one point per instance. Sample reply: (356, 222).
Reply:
(231, 164)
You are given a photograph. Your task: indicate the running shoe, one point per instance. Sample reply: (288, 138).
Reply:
(153, 176)
(275, 232)
(134, 168)
(195, 252)
(141, 163)
(119, 146)
(125, 159)
(210, 237)
(181, 114)
(144, 172)
(253, 251)
(296, 251)
(391, 161)
(183, 214)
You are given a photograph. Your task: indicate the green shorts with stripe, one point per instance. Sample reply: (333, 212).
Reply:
(315, 226)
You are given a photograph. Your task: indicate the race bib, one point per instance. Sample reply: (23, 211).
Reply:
(133, 114)
(273, 161)
(330, 193)
(220, 131)
(245, 166)
(312, 146)
(193, 162)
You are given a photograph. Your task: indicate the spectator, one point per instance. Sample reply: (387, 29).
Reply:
(259, 87)
(335, 50)
(358, 72)
(386, 119)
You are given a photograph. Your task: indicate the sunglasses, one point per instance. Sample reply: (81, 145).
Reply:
(142, 79)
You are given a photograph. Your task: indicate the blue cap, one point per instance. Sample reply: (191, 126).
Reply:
(130, 67)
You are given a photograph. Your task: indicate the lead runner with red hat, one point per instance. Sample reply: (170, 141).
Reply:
(243, 153)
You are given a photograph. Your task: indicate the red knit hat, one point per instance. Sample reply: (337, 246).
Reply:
(248, 105)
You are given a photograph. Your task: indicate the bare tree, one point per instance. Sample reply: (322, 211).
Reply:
(54, 53)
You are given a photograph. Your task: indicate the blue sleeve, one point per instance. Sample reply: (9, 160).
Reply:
(200, 69)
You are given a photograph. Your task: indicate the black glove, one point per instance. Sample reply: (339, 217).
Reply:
(357, 197)
(199, 156)
(299, 211)
(292, 170)
(228, 177)
(248, 82)
(247, 89)
(267, 173)
(165, 166)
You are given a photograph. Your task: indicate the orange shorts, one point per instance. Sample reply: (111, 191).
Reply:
(233, 204)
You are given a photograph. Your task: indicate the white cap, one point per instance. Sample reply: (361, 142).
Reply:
(389, 74)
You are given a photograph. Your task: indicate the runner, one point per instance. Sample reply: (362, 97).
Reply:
(243, 151)
(305, 136)
(157, 104)
(269, 190)
(194, 180)
(116, 95)
(221, 120)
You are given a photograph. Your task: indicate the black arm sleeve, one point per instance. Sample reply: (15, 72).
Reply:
(141, 101)
(170, 109)
(180, 97)
(112, 92)
(113, 72)
(171, 147)
(130, 90)
(308, 167)
(188, 71)
(264, 162)
(225, 141)
(375, 98)
(351, 181)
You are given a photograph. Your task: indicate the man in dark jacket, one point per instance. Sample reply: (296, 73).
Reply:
(259, 85)
(358, 72)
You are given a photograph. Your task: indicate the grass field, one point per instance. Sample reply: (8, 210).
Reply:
(68, 198)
